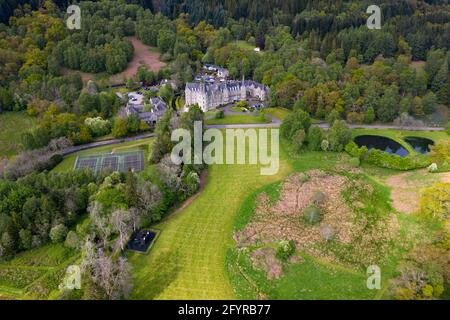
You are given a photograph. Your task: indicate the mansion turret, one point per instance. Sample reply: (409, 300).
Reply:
(212, 95)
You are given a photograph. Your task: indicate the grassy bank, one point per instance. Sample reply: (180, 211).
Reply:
(237, 119)
(12, 126)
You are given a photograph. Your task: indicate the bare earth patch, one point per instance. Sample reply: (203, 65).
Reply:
(407, 187)
(264, 258)
(284, 219)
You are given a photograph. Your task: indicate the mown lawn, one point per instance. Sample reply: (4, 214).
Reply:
(69, 161)
(12, 125)
(278, 112)
(237, 119)
(188, 259)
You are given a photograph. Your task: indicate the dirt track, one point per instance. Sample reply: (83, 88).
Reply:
(406, 191)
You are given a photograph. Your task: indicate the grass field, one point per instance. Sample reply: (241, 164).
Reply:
(188, 260)
(35, 273)
(244, 45)
(279, 112)
(282, 113)
(237, 119)
(316, 278)
(311, 279)
(12, 125)
(69, 161)
(193, 257)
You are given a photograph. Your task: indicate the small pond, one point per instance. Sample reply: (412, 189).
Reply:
(381, 143)
(420, 145)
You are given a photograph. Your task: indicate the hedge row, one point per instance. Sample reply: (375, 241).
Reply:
(386, 160)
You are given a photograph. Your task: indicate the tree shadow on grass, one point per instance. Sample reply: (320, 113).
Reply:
(153, 279)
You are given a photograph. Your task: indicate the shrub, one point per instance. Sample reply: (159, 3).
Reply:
(72, 240)
(369, 116)
(332, 117)
(339, 135)
(53, 162)
(384, 159)
(315, 138)
(327, 233)
(285, 250)
(432, 167)
(220, 114)
(355, 117)
(97, 126)
(297, 120)
(318, 198)
(58, 233)
(37, 160)
(354, 162)
(428, 261)
(303, 177)
(352, 149)
(312, 215)
(440, 152)
(120, 128)
(434, 202)
(242, 104)
(298, 139)
(393, 161)
(324, 145)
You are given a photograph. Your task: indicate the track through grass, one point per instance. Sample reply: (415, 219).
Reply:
(188, 260)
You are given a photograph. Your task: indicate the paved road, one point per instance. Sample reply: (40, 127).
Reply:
(105, 143)
(275, 124)
(323, 126)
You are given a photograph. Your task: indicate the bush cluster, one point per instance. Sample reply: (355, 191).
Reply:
(386, 160)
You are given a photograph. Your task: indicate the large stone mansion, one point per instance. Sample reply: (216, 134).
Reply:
(212, 95)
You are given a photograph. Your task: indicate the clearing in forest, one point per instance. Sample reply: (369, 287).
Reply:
(143, 55)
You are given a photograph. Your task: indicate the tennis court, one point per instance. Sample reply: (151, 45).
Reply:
(120, 161)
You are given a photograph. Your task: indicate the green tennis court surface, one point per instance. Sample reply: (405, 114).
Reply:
(121, 161)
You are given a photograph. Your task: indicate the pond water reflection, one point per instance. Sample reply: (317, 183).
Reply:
(381, 143)
(420, 145)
